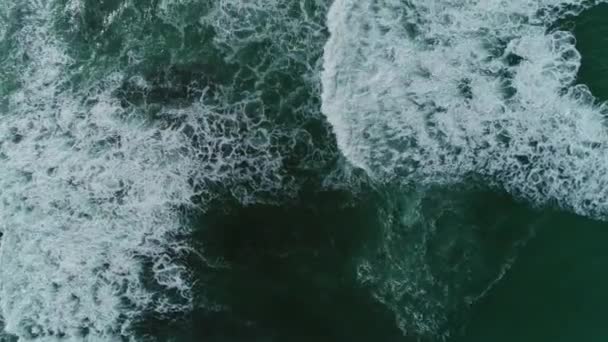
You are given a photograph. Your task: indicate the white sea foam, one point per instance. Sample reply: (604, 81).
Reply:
(431, 91)
(86, 196)
(91, 191)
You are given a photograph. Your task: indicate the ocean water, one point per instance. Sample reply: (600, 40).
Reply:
(303, 170)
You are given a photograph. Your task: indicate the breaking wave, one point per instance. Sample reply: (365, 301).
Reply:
(436, 91)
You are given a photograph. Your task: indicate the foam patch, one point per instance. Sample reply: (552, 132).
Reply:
(429, 92)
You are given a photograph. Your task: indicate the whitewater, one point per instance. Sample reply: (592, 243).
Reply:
(96, 192)
(437, 91)
(99, 180)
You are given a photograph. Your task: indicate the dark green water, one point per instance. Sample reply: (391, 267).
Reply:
(554, 292)
(312, 250)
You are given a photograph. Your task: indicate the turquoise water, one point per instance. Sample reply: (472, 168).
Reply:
(311, 170)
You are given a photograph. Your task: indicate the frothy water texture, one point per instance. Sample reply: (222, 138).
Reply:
(98, 175)
(433, 92)
(123, 122)
(88, 192)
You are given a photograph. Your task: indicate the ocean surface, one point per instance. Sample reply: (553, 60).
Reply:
(303, 170)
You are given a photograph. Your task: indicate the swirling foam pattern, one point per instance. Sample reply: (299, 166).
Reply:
(433, 91)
